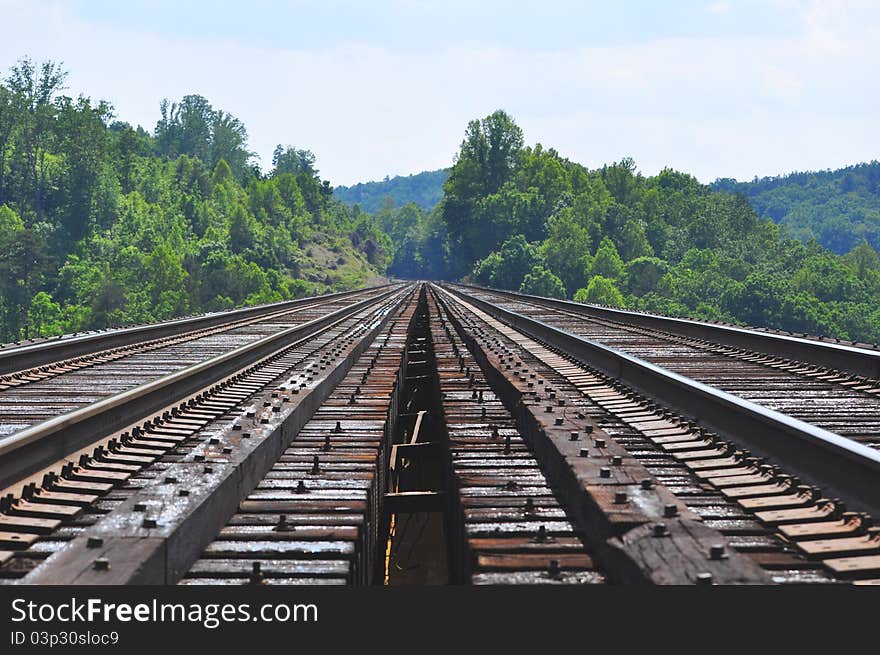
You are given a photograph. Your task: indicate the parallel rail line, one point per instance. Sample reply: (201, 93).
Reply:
(832, 399)
(435, 434)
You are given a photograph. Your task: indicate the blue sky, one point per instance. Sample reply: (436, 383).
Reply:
(715, 88)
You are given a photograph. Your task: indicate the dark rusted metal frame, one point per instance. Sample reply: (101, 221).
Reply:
(842, 467)
(39, 445)
(165, 557)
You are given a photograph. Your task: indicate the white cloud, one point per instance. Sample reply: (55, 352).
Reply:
(726, 106)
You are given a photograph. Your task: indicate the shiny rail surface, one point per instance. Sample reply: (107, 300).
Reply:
(16, 357)
(438, 434)
(56, 391)
(852, 358)
(834, 401)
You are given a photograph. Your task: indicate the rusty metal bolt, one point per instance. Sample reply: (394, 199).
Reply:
(256, 576)
(717, 551)
(660, 530)
(94, 542)
(620, 497)
(670, 511)
(101, 565)
(604, 472)
(283, 525)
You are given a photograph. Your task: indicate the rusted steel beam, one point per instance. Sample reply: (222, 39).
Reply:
(611, 495)
(41, 444)
(843, 467)
(158, 532)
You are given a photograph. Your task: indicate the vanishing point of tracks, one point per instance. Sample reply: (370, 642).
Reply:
(437, 434)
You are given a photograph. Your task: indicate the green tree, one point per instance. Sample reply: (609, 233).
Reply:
(566, 248)
(487, 158)
(541, 282)
(507, 267)
(643, 274)
(607, 262)
(601, 290)
(44, 315)
(634, 242)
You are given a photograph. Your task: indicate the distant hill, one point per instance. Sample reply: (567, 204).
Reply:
(425, 189)
(837, 208)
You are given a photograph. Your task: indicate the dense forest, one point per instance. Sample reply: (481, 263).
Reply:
(103, 223)
(838, 208)
(423, 189)
(523, 217)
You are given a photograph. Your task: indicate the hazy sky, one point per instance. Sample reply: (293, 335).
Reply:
(718, 89)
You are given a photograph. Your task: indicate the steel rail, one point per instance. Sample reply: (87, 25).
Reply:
(842, 467)
(842, 357)
(39, 445)
(18, 358)
(161, 550)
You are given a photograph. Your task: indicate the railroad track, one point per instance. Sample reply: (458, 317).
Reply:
(834, 399)
(421, 434)
(39, 395)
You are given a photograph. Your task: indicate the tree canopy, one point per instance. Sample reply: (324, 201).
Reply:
(523, 217)
(102, 223)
